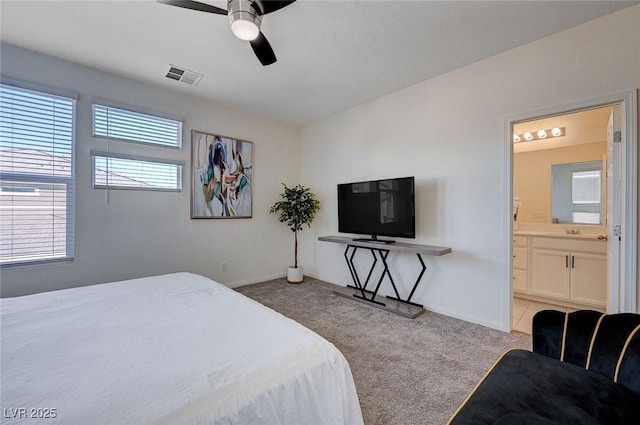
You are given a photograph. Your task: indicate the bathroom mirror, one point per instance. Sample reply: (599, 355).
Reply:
(577, 193)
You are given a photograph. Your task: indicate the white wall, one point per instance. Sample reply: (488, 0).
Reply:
(140, 233)
(449, 133)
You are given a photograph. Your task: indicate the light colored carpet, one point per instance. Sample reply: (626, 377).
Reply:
(407, 372)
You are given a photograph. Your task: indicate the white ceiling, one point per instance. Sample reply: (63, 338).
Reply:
(332, 55)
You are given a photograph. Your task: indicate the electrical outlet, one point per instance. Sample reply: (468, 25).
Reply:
(223, 266)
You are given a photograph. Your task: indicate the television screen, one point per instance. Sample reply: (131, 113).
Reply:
(377, 208)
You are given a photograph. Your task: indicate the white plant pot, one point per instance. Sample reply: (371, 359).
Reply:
(294, 275)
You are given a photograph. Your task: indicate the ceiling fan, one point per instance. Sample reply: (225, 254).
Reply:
(245, 17)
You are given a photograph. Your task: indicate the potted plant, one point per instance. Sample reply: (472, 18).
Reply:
(297, 207)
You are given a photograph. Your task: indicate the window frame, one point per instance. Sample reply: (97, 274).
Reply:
(563, 206)
(135, 111)
(69, 181)
(113, 155)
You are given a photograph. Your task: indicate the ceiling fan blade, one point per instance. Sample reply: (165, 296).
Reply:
(268, 6)
(263, 50)
(194, 5)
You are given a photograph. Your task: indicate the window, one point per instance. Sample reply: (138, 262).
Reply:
(119, 171)
(577, 192)
(122, 171)
(36, 176)
(585, 194)
(129, 126)
(585, 187)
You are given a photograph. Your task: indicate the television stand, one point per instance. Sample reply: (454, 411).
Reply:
(374, 240)
(359, 290)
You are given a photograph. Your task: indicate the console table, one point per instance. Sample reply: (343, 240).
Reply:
(399, 305)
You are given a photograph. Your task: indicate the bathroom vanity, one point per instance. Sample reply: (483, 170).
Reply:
(561, 268)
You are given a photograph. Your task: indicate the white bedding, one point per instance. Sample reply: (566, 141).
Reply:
(172, 349)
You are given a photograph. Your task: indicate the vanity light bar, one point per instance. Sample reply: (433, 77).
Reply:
(539, 135)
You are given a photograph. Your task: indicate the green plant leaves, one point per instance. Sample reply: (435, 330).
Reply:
(297, 207)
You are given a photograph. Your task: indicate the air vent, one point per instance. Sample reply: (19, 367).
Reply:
(183, 75)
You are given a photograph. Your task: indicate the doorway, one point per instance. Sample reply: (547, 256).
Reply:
(570, 236)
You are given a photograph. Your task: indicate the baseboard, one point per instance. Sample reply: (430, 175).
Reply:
(239, 283)
(447, 312)
(467, 318)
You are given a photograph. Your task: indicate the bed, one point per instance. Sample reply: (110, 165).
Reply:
(171, 349)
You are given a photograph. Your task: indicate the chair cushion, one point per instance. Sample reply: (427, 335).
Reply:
(529, 388)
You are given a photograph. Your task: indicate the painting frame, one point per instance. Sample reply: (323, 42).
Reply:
(221, 176)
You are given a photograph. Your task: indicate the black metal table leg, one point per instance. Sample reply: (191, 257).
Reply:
(356, 279)
(352, 269)
(387, 272)
(373, 265)
(362, 288)
(415, 285)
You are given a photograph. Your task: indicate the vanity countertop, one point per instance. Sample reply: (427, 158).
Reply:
(562, 235)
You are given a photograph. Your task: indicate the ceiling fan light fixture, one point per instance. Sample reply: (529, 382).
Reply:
(245, 21)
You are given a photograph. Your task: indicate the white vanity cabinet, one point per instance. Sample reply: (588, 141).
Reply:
(569, 269)
(520, 262)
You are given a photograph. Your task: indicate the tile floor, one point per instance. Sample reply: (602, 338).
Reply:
(523, 311)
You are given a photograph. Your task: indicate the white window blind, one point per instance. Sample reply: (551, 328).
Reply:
(121, 171)
(129, 126)
(585, 187)
(585, 217)
(36, 176)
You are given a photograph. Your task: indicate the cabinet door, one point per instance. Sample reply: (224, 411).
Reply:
(520, 258)
(589, 278)
(520, 281)
(520, 241)
(550, 273)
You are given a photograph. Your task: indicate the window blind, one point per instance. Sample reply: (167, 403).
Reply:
(130, 126)
(122, 171)
(36, 176)
(586, 217)
(585, 187)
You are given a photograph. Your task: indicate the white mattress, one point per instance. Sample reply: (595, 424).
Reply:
(172, 349)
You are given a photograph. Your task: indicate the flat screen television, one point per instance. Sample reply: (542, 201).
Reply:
(377, 208)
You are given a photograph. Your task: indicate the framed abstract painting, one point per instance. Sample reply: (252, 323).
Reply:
(221, 176)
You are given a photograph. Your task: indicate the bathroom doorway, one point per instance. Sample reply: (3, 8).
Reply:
(574, 189)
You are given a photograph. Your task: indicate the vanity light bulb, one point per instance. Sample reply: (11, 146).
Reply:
(556, 132)
(528, 136)
(542, 134)
(516, 138)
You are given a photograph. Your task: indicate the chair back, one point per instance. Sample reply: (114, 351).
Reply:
(608, 344)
